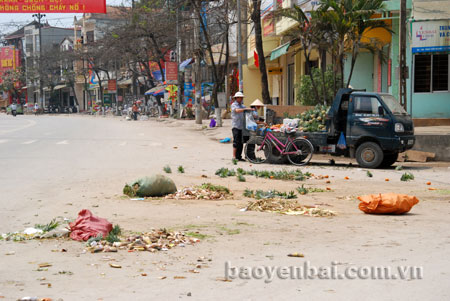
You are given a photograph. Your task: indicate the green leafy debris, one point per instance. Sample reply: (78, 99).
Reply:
(407, 176)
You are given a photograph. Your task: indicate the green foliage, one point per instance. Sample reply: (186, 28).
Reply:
(113, 235)
(212, 187)
(269, 194)
(304, 190)
(399, 167)
(167, 169)
(248, 193)
(305, 92)
(240, 177)
(53, 224)
(225, 172)
(129, 191)
(98, 238)
(180, 169)
(369, 174)
(234, 161)
(407, 176)
(296, 175)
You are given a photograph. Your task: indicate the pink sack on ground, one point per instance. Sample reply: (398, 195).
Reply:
(87, 226)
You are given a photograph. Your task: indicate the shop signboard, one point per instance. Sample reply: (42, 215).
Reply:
(431, 36)
(171, 72)
(112, 86)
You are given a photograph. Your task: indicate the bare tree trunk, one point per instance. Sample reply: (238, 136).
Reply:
(354, 56)
(309, 70)
(256, 18)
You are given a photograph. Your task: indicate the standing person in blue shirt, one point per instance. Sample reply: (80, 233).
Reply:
(237, 124)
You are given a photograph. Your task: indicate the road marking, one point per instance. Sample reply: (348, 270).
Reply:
(63, 142)
(123, 143)
(29, 142)
(3, 141)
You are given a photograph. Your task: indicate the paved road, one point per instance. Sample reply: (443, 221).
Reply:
(41, 157)
(57, 165)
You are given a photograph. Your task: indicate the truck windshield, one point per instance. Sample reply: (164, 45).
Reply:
(393, 105)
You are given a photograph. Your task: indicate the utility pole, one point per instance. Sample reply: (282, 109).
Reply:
(198, 73)
(39, 16)
(178, 106)
(239, 31)
(403, 69)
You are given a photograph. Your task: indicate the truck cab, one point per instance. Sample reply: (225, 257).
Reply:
(375, 126)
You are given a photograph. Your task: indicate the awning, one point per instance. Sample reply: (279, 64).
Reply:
(154, 89)
(125, 82)
(129, 81)
(279, 51)
(183, 64)
(159, 92)
(59, 87)
(45, 89)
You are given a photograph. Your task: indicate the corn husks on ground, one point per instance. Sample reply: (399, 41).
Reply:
(287, 207)
(152, 241)
(205, 191)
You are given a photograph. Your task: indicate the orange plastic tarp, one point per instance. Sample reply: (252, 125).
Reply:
(387, 203)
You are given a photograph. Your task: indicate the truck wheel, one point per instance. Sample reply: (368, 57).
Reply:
(369, 155)
(389, 159)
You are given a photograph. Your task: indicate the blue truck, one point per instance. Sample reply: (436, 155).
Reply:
(371, 127)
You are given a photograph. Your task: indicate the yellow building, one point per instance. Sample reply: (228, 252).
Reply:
(286, 62)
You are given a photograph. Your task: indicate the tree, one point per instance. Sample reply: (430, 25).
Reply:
(336, 27)
(256, 18)
(215, 32)
(348, 21)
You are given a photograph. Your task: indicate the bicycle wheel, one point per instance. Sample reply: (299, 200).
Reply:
(299, 151)
(256, 151)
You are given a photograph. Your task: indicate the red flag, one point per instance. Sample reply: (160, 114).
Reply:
(255, 56)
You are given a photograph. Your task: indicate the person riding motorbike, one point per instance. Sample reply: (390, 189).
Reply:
(14, 109)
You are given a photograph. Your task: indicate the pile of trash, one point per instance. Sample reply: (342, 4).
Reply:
(287, 207)
(55, 228)
(205, 191)
(153, 241)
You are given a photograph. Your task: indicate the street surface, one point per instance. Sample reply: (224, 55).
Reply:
(54, 166)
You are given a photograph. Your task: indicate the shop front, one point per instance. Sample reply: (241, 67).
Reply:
(430, 89)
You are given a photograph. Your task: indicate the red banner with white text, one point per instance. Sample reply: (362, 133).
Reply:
(53, 6)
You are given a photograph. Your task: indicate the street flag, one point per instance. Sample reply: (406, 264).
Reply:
(256, 57)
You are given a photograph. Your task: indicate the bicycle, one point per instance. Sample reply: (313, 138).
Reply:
(299, 150)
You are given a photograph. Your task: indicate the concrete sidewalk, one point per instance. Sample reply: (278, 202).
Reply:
(434, 139)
